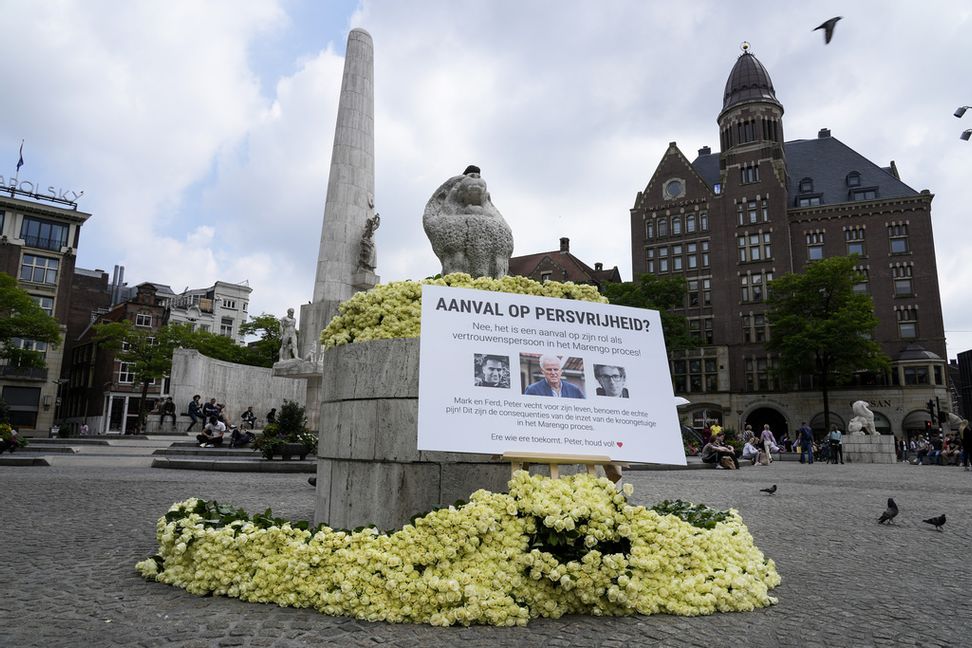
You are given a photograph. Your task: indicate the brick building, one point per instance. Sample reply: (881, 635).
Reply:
(562, 265)
(39, 237)
(762, 206)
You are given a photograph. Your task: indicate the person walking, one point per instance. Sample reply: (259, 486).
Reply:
(965, 431)
(836, 439)
(805, 435)
(769, 442)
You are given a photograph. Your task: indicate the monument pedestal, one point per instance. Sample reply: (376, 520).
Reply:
(869, 448)
(369, 468)
(311, 372)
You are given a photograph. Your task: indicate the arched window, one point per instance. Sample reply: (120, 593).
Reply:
(806, 185)
(853, 179)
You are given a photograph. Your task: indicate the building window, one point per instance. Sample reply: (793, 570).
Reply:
(754, 247)
(864, 194)
(754, 328)
(717, 188)
(758, 376)
(649, 229)
(693, 292)
(43, 234)
(808, 201)
(806, 185)
(29, 345)
(752, 286)
(815, 243)
(903, 286)
(854, 238)
(143, 319)
(226, 327)
(126, 372)
(690, 224)
(707, 292)
(676, 225)
(676, 258)
(705, 254)
(663, 259)
(46, 304)
(36, 269)
(749, 174)
(898, 236)
(691, 256)
(245, 304)
(229, 303)
(861, 286)
(908, 322)
(853, 179)
(704, 221)
(662, 227)
(649, 263)
(695, 374)
(916, 376)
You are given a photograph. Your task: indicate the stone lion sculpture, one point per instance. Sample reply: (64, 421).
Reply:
(863, 421)
(467, 232)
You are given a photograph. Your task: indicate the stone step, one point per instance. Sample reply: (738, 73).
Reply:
(73, 441)
(195, 450)
(11, 460)
(37, 447)
(227, 465)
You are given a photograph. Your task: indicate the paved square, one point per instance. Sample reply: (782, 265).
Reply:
(71, 534)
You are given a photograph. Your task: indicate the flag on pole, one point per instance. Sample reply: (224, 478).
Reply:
(20, 162)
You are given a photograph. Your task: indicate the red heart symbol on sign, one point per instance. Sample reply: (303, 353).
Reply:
(619, 443)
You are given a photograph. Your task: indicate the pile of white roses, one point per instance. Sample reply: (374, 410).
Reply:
(549, 547)
(393, 310)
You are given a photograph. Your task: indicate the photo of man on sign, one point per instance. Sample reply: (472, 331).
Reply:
(611, 380)
(491, 370)
(552, 371)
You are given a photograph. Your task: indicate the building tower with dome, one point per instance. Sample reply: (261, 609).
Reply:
(728, 222)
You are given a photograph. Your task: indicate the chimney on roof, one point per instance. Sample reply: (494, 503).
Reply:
(598, 266)
(564, 245)
(824, 132)
(705, 150)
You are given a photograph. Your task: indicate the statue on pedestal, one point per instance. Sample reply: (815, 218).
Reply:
(467, 232)
(288, 337)
(863, 421)
(367, 257)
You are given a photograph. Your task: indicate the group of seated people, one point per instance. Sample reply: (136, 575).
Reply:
(215, 429)
(936, 450)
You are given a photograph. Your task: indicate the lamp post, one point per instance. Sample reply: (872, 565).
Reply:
(959, 112)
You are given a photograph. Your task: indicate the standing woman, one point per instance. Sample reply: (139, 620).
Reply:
(836, 445)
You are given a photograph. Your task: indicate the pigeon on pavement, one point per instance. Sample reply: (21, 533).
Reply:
(888, 515)
(938, 522)
(828, 27)
(770, 490)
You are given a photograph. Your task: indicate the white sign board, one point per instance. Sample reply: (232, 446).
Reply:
(504, 373)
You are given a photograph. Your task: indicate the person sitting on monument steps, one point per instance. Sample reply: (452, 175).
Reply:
(240, 437)
(212, 434)
(552, 383)
(195, 412)
(249, 417)
(716, 451)
(167, 409)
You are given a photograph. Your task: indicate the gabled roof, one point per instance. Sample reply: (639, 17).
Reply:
(572, 268)
(827, 161)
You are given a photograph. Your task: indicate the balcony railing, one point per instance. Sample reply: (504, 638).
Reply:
(23, 373)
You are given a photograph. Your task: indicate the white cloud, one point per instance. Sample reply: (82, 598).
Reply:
(193, 175)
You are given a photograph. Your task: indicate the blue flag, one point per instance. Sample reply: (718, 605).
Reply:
(20, 162)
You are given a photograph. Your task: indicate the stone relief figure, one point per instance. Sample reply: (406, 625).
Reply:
(467, 232)
(863, 421)
(367, 257)
(288, 336)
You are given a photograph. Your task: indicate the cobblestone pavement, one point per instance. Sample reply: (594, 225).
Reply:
(70, 535)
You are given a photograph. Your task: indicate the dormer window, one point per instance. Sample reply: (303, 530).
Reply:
(853, 179)
(806, 185)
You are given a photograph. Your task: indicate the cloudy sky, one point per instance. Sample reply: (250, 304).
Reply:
(201, 131)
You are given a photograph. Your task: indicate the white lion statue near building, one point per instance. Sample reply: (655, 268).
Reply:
(863, 421)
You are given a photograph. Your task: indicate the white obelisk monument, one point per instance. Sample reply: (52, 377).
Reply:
(347, 208)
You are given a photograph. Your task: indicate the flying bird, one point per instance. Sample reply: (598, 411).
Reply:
(828, 28)
(770, 490)
(938, 522)
(888, 515)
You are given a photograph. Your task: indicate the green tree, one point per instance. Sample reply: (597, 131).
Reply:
(821, 327)
(21, 317)
(149, 352)
(265, 351)
(662, 294)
